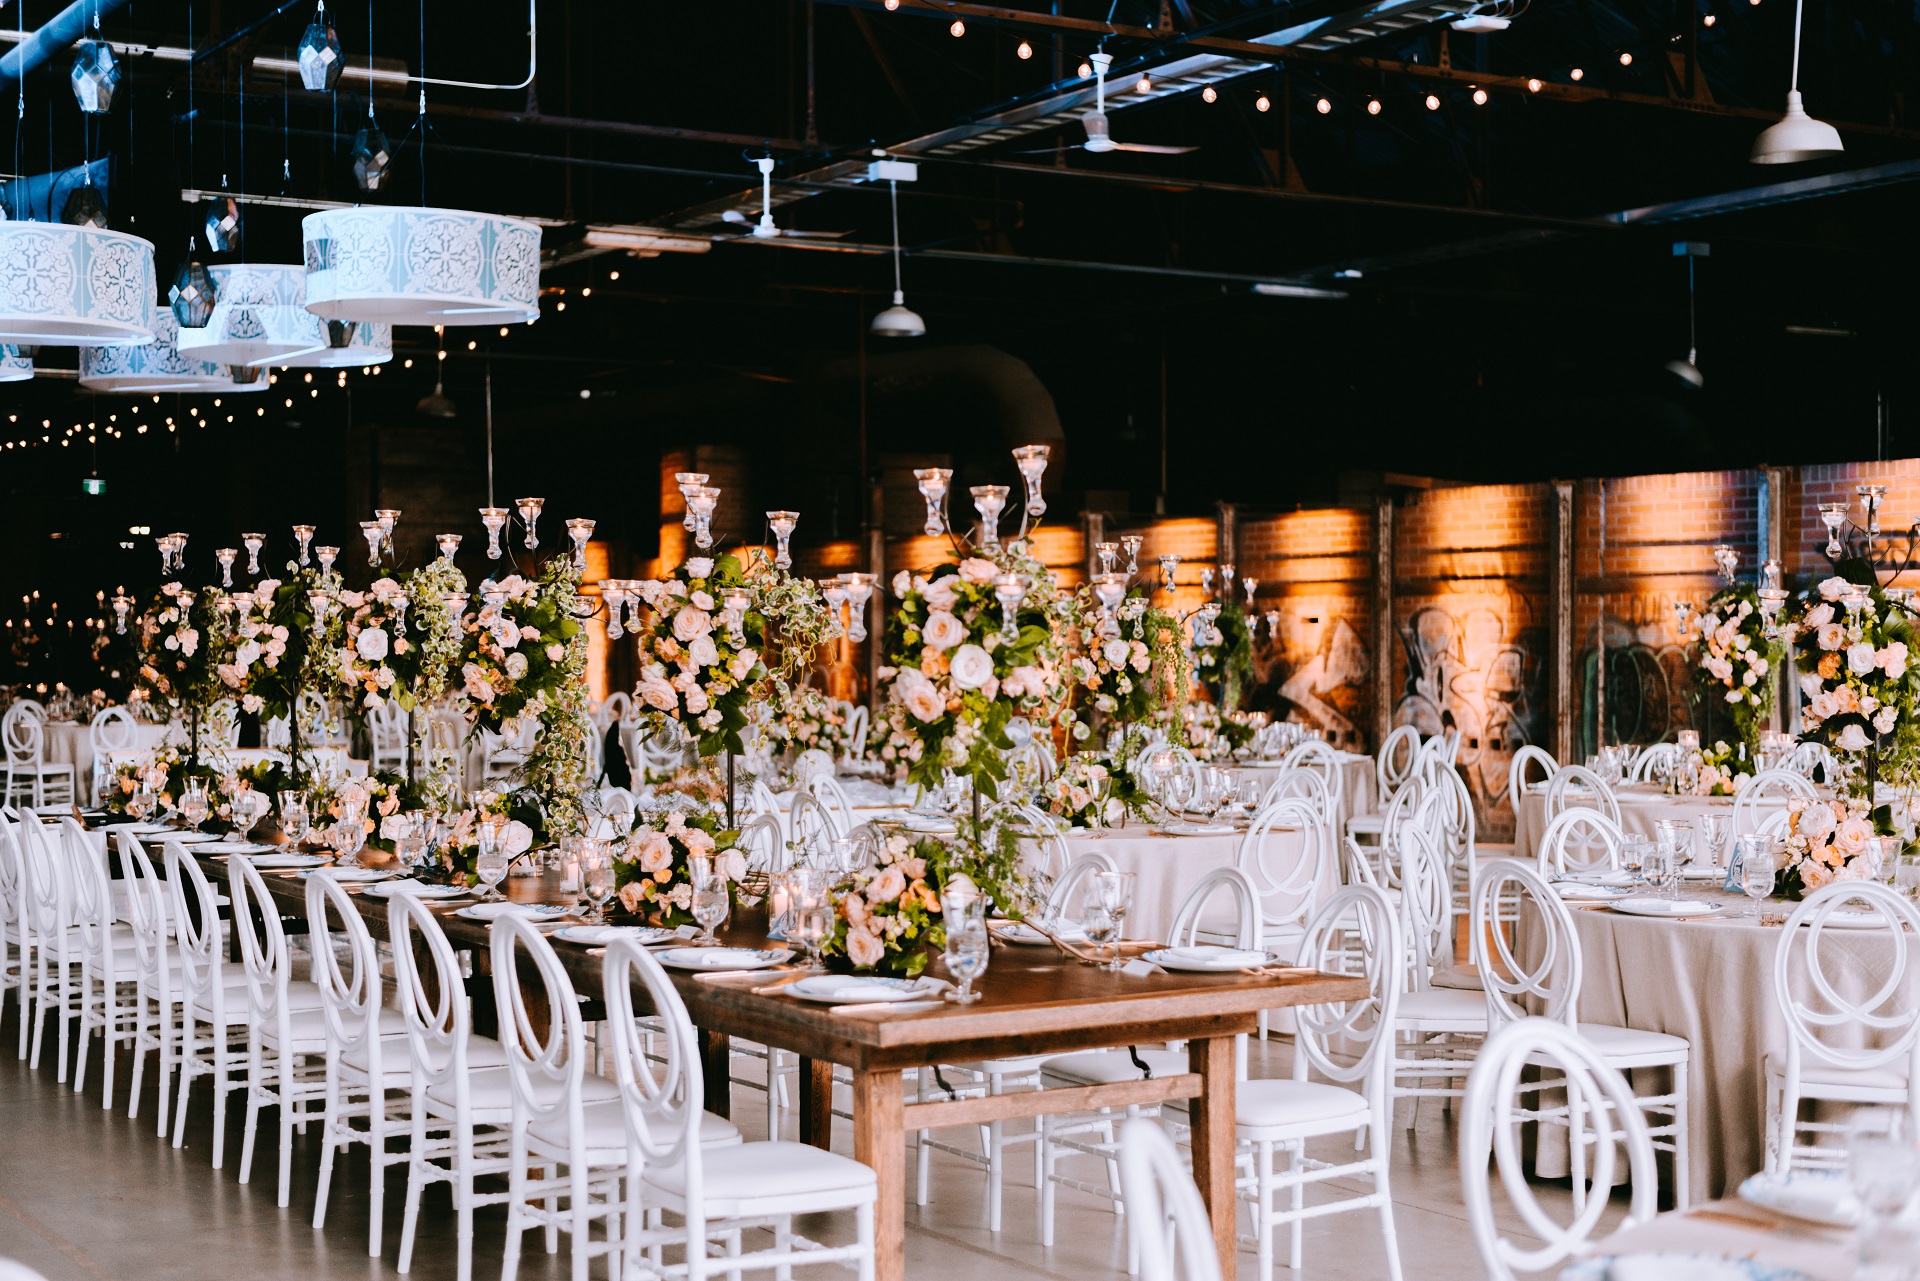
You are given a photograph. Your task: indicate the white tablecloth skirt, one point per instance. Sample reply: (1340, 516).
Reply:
(1641, 806)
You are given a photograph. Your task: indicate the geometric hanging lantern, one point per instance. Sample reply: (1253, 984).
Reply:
(64, 285)
(259, 317)
(14, 368)
(347, 343)
(158, 368)
(95, 76)
(421, 266)
(320, 61)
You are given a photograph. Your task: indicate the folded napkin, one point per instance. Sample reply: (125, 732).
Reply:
(1678, 1267)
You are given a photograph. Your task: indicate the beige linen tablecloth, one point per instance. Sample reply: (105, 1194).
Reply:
(1641, 806)
(1358, 786)
(1824, 1254)
(67, 743)
(1711, 982)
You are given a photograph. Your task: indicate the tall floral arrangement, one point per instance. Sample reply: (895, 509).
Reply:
(436, 626)
(283, 648)
(653, 866)
(1113, 663)
(957, 677)
(794, 623)
(1859, 688)
(700, 665)
(1734, 661)
(376, 658)
(1826, 841)
(556, 767)
(183, 642)
(1223, 661)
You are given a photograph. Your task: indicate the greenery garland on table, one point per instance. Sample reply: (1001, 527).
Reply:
(1224, 665)
(1734, 662)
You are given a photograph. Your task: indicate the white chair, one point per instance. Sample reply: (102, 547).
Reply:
(156, 995)
(659, 754)
(54, 943)
(1523, 760)
(1310, 785)
(1394, 765)
(1578, 785)
(1495, 1126)
(1650, 759)
(1774, 784)
(827, 790)
(716, 1191)
(1167, 1226)
(1580, 840)
(1438, 1026)
(1350, 1044)
(1400, 812)
(858, 719)
(562, 1116)
(1853, 1023)
(111, 730)
(468, 1108)
(31, 781)
(13, 944)
(1288, 883)
(109, 972)
(387, 725)
(1318, 754)
(1552, 987)
(811, 827)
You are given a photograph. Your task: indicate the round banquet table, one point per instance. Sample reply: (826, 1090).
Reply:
(1357, 782)
(1641, 805)
(68, 743)
(1709, 980)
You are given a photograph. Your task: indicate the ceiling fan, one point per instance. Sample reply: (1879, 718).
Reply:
(765, 228)
(1099, 134)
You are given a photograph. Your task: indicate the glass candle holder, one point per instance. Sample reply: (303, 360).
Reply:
(165, 543)
(1872, 497)
(529, 509)
(327, 555)
(1273, 623)
(388, 518)
(1032, 462)
(318, 602)
(688, 481)
(934, 483)
(1727, 560)
(1130, 544)
(835, 591)
(303, 535)
(1110, 589)
(253, 543)
(1227, 572)
(735, 601)
(1009, 590)
(1206, 580)
(495, 519)
(989, 501)
(122, 605)
(448, 545)
(782, 523)
(376, 538)
(1833, 515)
(456, 605)
(859, 592)
(1168, 564)
(580, 530)
(1250, 585)
(613, 592)
(1109, 554)
(705, 499)
(179, 541)
(226, 556)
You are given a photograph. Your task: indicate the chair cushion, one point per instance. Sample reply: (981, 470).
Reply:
(1103, 1067)
(300, 996)
(396, 1059)
(1461, 978)
(491, 1090)
(759, 1171)
(1303, 1108)
(606, 1130)
(1452, 1006)
(1630, 1041)
(310, 1026)
(1817, 1074)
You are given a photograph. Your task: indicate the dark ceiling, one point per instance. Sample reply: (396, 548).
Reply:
(1516, 298)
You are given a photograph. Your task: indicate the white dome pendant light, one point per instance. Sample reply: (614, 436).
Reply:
(1798, 136)
(899, 320)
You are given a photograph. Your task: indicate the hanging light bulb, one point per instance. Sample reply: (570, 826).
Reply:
(1479, 97)
(1798, 136)
(897, 321)
(1263, 103)
(1023, 51)
(1626, 59)
(892, 5)
(1373, 106)
(320, 60)
(1209, 94)
(1323, 107)
(370, 154)
(1577, 74)
(958, 29)
(192, 295)
(1145, 85)
(1433, 102)
(1084, 71)
(1533, 86)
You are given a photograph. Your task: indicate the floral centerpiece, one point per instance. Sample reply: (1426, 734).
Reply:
(957, 676)
(1859, 689)
(1091, 792)
(376, 659)
(1734, 660)
(699, 664)
(888, 918)
(182, 644)
(653, 868)
(1223, 663)
(1724, 770)
(1826, 841)
(1113, 667)
(808, 719)
(282, 648)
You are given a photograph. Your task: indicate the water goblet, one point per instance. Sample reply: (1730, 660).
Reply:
(349, 836)
(193, 803)
(491, 861)
(1661, 867)
(141, 804)
(294, 818)
(711, 900)
(1099, 926)
(597, 878)
(967, 944)
(1756, 869)
(1114, 892)
(1178, 792)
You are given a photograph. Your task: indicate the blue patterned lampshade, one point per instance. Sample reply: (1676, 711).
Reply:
(260, 317)
(421, 266)
(156, 369)
(14, 368)
(63, 285)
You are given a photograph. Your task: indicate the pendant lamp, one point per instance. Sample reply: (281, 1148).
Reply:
(65, 285)
(259, 317)
(157, 368)
(344, 343)
(1798, 136)
(899, 320)
(401, 266)
(14, 368)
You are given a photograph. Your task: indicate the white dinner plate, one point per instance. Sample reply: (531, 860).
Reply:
(1580, 893)
(1676, 1266)
(348, 875)
(1646, 905)
(722, 958)
(1199, 829)
(140, 829)
(268, 861)
(1597, 878)
(930, 826)
(192, 838)
(645, 935)
(1207, 960)
(1021, 932)
(1854, 920)
(848, 989)
(1818, 1196)
(418, 889)
(491, 911)
(242, 847)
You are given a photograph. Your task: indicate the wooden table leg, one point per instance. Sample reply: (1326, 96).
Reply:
(1213, 1147)
(816, 1103)
(716, 1069)
(880, 1141)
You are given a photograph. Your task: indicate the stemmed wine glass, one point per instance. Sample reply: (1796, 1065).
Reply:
(1179, 792)
(490, 864)
(193, 802)
(597, 877)
(1756, 870)
(141, 803)
(293, 816)
(1713, 831)
(1114, 892)
(967, 944)
(710, 899)
(808, 913)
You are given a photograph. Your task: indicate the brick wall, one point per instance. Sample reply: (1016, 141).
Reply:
(1313, 576)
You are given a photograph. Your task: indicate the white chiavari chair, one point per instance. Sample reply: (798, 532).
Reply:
(1494, 1127)
(148, 907)
(14, 949)
(1438, 1024)
(1394, 765)
(108, 970)
(1853, 1023)
(1521, 765)
(387, 726)
(1651, 759)
(1577, 785)
(1579, 840)
(720, 1190)
(827, 790)
(1765, 790)
(111, 730)
(1318, 754)
(1551, 986)
(1167, 1225)
(31, 780)
(55, 943)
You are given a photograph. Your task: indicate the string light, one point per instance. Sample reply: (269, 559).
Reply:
(1024, 51)
(958, 29)
(1578, 74)
(1262, 103)
(1208, 95)
(1433, 102)
(1145, 85)
(1626, 59)
(1479, 97)
(1709, 20)
(892, 5)
(1533, 86)
(587, 292)
(613, 275)
(471, 345)
(1373, 106)
(1084, 71)
(1322, 106)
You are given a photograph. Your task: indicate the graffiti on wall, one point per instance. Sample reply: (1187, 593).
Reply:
(1476, 669)
(1646, 696)
(1314, 671)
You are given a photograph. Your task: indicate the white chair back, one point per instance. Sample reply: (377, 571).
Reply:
(24, 737)
(1167, 1221)
(1550, 986)
(1352, 1041)
(1773, 784)
(1076, 876)
(1523, 760)
(1190, 921)
(1650, 759)
(858, 723)
(1842, 1010)
(617, 808)
(350, 1001)
(763, 842)
(1318, 754)
(1807, 757)
(827, 790)
(111, 730)
(1286, 877)
(1394, 765)
(196, 929)
(1304, 783)
(437, 1018)
(1565, 790)
(1426, 906)
(263, 950)
(661, 1089)
(49, 914)
(223, 723)
(811, 826)
(1580, 840)
(90, 892)
(1501, 1112)
(660, 753)
(544, 1042)
(387, 727)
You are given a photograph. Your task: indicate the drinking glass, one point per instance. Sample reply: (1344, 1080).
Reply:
(293, 816)
(808, 908)
(1714, 829)
(596, 878)
(1247, 795)
(1114, 892)
(1661, 866)
(1677, 834)
(140, 804)
(193, 803)
(967, 945)
(1756, 870)
(1633, 855)
(1178, 792)
(1883, 1166)
(491, 863)
(1098, 925)
(1906, 875)
(710, 900)
(1217, 787)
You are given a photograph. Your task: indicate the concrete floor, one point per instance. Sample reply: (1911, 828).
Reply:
(86, 1194)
